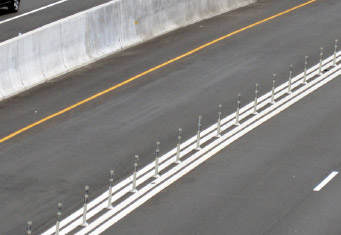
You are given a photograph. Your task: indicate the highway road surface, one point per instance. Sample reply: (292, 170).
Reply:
(262, 184)
(36, 13)
(259, 185)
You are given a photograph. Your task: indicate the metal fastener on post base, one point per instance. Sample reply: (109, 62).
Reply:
(29, 227)
(335, 51)
(85, 206)
(177, 160)
(290, 78)
(321, 60)
(157, 174)
(134, 190)
(237, 112)
(256, 101)
(273, 90)
(198, 134)
(219, 121)
(59, 214)
(111, 182)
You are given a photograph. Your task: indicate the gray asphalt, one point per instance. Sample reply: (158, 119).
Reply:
(54, 161)
(35, 20)
(262, 184)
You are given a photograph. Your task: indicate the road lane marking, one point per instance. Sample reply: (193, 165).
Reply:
(326, 181)
(34, 11)
(166, 160)
(148, 71)
(71, 222)
(111, 217)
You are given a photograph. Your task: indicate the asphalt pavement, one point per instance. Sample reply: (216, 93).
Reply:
(262, 184)
(53, 162)
(37, 13)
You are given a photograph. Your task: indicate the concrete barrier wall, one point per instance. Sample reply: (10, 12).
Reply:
(67, 44)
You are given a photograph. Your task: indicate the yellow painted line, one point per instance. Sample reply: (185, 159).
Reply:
(149, 71)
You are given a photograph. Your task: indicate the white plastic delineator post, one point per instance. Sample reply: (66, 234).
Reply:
(335, 51)
(29, 227)
(134, 190)
(198, 134)
(177, 160)
(321, 61)
(111, 182)
(85, 206)
(219, 120)
(237, 112)
(305, 69)
(59, 214)
(157, 152)
(256, 101)
(290, 78)
(273, 89)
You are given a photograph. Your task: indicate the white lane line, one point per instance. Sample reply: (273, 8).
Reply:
(326, 181)
(31, 12)
(104, 222)
(123, 187)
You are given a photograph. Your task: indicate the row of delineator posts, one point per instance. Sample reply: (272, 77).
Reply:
(178, 146)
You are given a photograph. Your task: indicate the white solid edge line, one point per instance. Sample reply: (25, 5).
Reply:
(165, 158)
(104, 226)
(103, 218)
(326, 181)
(31, 12)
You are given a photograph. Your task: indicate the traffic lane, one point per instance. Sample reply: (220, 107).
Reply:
(73, 87)
(262, 183)
(77, 148)
(34, 20)
(319, 214)
(25, 6)
(83, 83)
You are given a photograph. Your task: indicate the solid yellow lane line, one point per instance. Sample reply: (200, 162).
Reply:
(150, 70)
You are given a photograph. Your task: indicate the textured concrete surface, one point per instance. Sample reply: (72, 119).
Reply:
(54, 161)
(78, 40)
